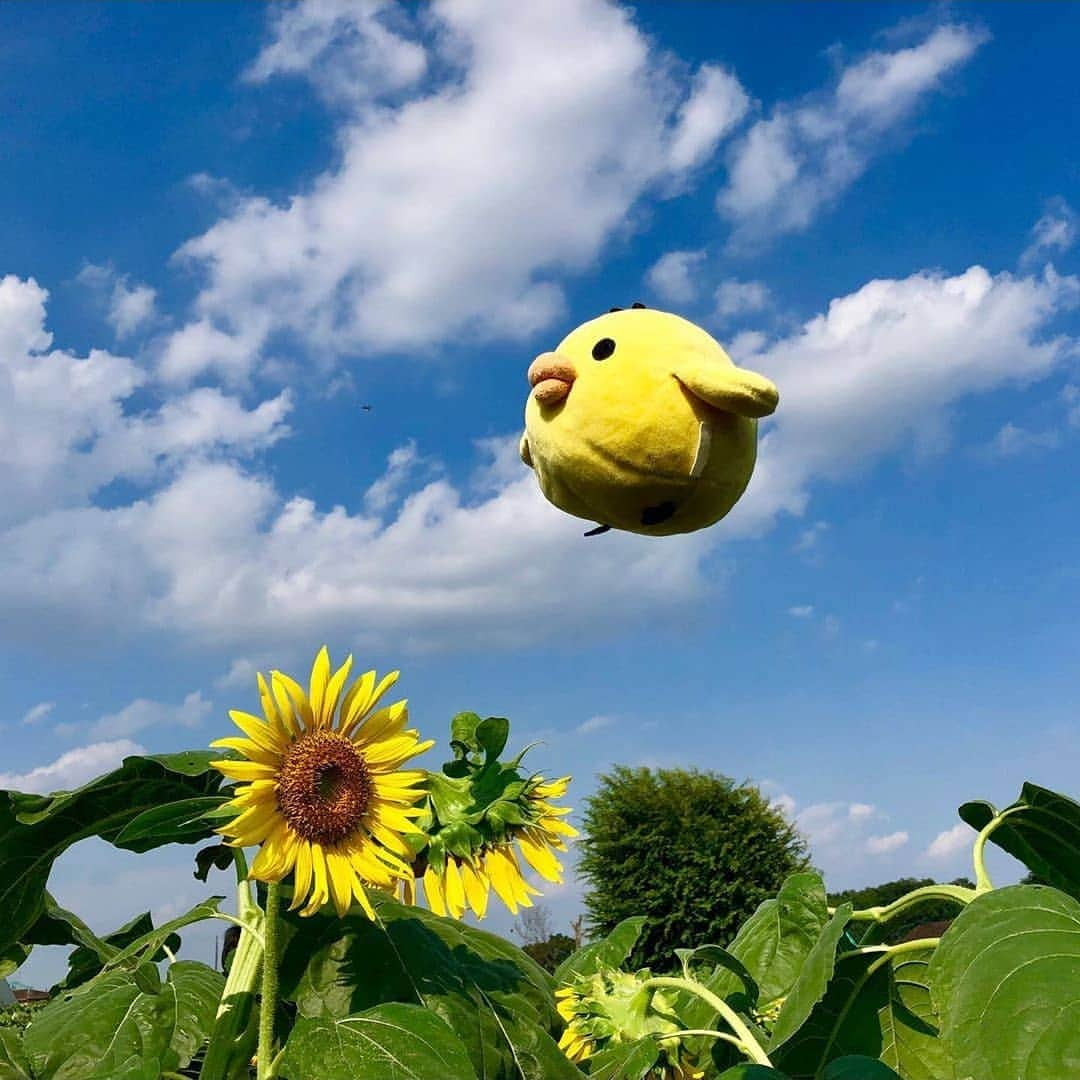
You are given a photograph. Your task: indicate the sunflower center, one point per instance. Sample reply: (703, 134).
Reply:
(324, 787)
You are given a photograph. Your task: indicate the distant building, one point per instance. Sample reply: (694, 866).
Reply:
(6, 996)
(25, 997)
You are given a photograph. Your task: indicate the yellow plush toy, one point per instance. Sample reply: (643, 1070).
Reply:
(640, 421)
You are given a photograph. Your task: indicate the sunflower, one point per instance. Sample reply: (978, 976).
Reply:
(611, 1008)
(327, 801)
(454, 882)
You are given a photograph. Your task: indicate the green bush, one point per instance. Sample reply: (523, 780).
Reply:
(694, 852)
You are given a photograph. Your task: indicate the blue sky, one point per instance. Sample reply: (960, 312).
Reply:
(228, 226)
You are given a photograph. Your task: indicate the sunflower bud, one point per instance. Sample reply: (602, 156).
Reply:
(481, 815)
(612, 1007)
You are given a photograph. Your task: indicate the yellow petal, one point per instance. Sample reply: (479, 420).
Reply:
(333, 692)
(355, 702)
(539, 857)
(383, 724)
(362, 898)
(302, 878)
(391, 753)
(269, 863)
(553, 789)
(434, 892)
(257, 731)
(294, 693)
(500, 871)
(248, 749)
(245, 770)
(254, 824)
(476, 890)
(320, 675)
(408, 891)
(320, 888)
(341, 876)
(290, 722)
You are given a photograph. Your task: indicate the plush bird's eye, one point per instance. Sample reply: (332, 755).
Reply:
(603, 348)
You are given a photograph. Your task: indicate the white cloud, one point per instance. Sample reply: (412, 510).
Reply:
(449, 215)
(64, 429)
(1054, 232)
(951, 842)
(38, 712)
(594, 724)
(833, 823)
(401, 465)
(131, 308)
(739, 297)
(128, 307)
(809, 539)
(785, 803)
(673, 275)
(883, 845)
(878, 372)
(345, 47)
(717, 102)
(801, 611)
(142, 714)
(72, 769)
(799, 159)
(214, 553)
(1012, 441)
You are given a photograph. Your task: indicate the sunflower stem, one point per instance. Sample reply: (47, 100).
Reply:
(232, 1039)
(750, 1046)
(268, 1005)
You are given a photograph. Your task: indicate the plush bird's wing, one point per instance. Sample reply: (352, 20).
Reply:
(523, 450)
(733, 389)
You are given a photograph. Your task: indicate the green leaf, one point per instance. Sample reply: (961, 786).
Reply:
(388, 1042)
(720, 958)
(749, 1071)
(94, 953)
(775, 941)
(858, 1067)
(491, 736)
(110, 1029)
(196, 990)
(35, 829)
(55, 926)
(150, 943)
(1041, 829)
(813, 980)
(175, 823)
(1006, 982)
(884, 1013)
(14, 1064)
(496, 999)
(463, 734)
(219, 856)
(631, 1061)
(608, 952)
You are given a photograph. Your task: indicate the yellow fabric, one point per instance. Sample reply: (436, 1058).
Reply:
(657, 438)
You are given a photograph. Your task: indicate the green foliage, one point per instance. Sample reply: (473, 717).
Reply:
(36, 829)
(693, 852)
(388, 1042)
(496, 1000)
(549, 954)
(18, 1016)
(931, 910)
(793, 988)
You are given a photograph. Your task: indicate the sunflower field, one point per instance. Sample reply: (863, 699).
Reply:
(353, 960)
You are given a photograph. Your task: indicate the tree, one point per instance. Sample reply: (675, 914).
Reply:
(692, 851)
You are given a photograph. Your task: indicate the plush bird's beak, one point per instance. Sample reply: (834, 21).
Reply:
(551, 377)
